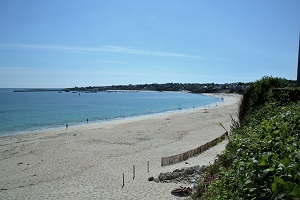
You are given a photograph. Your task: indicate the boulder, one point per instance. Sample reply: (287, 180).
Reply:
(178, 170)
(169, 175)
(162, 177)
(176, 175)
(188, 171)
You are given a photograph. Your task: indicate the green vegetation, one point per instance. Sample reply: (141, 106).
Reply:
(262, 158)
(192, 87)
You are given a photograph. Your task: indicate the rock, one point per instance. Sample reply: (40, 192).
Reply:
(197, 169)
(162, 177)
(169, 175)
(178, 170)
(151, 178)
(184, 175)
(176, 175)
(188, 171)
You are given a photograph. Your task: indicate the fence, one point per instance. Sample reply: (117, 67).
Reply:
(184, 156)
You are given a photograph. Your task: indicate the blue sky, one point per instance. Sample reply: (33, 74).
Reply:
(96, 42)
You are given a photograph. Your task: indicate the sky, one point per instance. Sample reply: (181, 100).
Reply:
(59, 44)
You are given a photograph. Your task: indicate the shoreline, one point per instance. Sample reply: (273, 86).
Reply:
(54, 128)
(87, 162)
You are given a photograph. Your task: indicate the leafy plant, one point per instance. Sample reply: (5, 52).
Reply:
(262, 159)
(267, 161)
(256, 94)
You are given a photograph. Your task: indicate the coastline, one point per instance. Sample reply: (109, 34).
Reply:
(55, 128)
(17, 128)
(88, 160)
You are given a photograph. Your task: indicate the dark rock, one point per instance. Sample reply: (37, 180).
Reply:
(188, 171)
(169, 175)
(162, 177)
(184, 175)
(176, 175)
(151, 178)
(178, 170)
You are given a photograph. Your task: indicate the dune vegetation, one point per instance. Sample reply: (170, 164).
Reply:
(262, 158)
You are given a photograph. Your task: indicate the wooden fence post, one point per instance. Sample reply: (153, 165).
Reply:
(133, 172)
(123, 181)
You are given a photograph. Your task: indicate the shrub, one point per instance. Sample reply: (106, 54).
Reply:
(267, 161)
(262, 158)
(256, 94)
(284, 96)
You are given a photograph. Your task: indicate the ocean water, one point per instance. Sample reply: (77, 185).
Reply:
(22, 112)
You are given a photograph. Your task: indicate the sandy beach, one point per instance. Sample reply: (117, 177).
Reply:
(87, 161)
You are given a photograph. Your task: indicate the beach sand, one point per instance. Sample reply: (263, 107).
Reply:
(87, 161)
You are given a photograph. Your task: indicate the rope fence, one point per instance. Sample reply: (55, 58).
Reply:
(184, 156)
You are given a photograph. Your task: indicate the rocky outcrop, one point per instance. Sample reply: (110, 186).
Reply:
(184, 175)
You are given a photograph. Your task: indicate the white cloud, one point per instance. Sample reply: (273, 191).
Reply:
(106, 49)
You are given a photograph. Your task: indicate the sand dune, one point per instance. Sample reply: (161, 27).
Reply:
(87, 161)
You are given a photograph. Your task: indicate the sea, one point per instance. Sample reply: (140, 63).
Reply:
(25, 112)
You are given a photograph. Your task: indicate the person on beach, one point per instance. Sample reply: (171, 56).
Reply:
(87, 120)
(67, 126)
